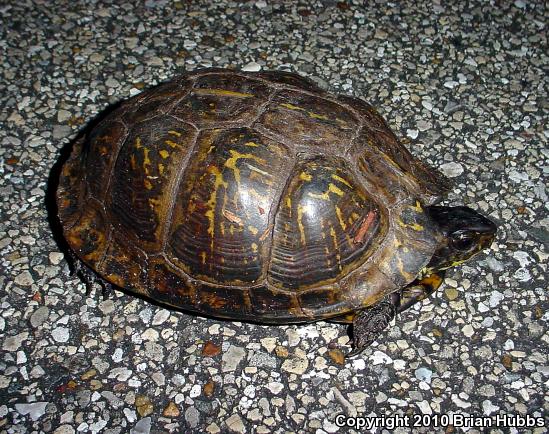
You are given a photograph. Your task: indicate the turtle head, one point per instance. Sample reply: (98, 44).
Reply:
(465, 233)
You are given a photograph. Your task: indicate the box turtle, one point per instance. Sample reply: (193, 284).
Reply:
(261, 197)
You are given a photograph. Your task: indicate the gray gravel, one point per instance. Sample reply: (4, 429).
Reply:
(465, 86)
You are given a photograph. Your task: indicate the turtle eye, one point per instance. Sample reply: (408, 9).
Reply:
(463, 240)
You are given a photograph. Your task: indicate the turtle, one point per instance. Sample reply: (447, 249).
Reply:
(261, 197)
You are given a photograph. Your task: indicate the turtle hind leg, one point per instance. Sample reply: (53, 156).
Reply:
(90, 277)
(371, 321)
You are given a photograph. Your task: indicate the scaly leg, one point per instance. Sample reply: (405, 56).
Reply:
(371, 321)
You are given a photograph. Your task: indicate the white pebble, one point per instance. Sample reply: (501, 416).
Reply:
(380, 357)
(452, 169)
(412, 134)
(468, 330)
(424, 374)
(488, 407)
(35, 409)
(252, 67)
(424, 407)
(450, 84)
(160, 317)
(60, 334)
(427, 104)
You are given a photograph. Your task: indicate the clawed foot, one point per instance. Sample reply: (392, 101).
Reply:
(370, 322)
(90, 277)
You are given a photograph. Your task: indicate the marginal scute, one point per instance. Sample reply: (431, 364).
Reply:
(370, 117)
(220, 231)
(326, 225)
(88, 236)
(143, 178)
(270, 304)
(216, 100)
(224, 301)
(124, 265)
(72, 189)
(167, 285)
(367, 285)
(102, 147)
(324, 302)
(308, 120)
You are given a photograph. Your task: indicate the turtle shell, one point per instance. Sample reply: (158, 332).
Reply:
(252, 196)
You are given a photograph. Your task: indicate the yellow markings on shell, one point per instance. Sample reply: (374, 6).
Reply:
(417, 207)
(146, 161)
(174, 133)
(304, 176)
(300, 224)
(222, 92)
(235, 156)
(340, 218)
(255, 169)
(403, 272)
(222, 227)
(289, 205)
(254, 247)
(147, 184)
(253, 229)
(154, 201)
(414, 226)
(342, 122)
(203, 257)
(336, 246)
(164, 154)
(172, 143)
(342, 180)
(210, 214)
(317, 116)
(138, 144)
(326, 195)
(322, 232)
(310, 113)
(160, 168)
(391, 162)
(291, 106)
(251, 144)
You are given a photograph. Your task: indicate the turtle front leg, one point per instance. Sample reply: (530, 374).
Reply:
(420, 290)
(370, 322)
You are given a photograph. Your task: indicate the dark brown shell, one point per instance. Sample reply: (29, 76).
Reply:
(252, 196)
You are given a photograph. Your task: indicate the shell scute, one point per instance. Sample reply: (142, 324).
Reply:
(221, 99)
(221, 229)
(308, 120)
(143, 177)
(319, 230)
